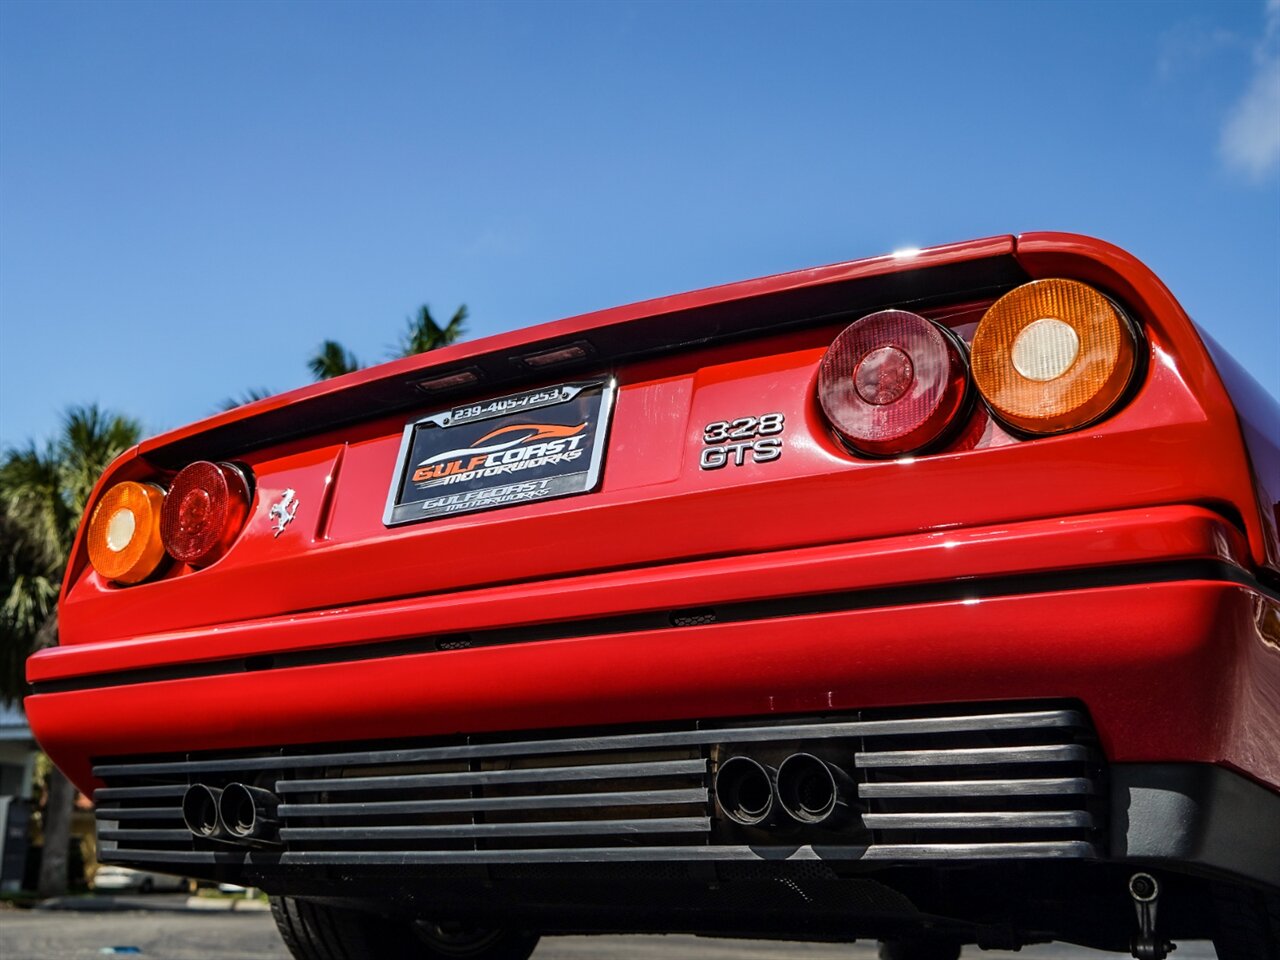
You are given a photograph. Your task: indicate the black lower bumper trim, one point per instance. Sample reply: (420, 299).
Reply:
(1195, 815)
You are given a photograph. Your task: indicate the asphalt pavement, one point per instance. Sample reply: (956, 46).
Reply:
(168, 930)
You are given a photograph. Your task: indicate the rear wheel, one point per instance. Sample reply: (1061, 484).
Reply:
(316, 931)
(1248, 923)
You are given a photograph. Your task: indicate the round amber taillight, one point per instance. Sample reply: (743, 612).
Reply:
(205, 509)
(124, 532)
(1053, 355)
(892, 383)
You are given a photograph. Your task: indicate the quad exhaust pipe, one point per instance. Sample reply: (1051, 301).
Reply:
(237, 813)
(200, 812)
(745, 790)
(249, 814)
(814, 792)
(803, 789)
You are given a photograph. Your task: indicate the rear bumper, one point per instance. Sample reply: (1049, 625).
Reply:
(1169, 672)
(1141, 618)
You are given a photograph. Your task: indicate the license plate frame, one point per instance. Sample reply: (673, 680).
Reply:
(444, 469)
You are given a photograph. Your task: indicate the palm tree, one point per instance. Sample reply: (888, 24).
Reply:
(29, 599)
(332, 360)
(422, 333)
(43, 493)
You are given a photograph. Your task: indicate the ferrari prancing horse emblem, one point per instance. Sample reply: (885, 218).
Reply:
(281, 513)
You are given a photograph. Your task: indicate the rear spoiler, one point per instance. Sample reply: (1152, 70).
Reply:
(611, 337)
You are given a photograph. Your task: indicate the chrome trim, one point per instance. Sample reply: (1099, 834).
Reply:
(556, 801)
(546, 828)
(596, 771)
(1013, 819)
(109, 833)
(937, 851)
(984, 851)
(397, 478)
(946, 758)
(977, 788)
(129, 793)
(444, 419)
(139, 813)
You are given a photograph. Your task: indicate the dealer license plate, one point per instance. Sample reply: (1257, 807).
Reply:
(516, 449)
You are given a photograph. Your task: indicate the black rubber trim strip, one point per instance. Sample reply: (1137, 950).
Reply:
(743, 611)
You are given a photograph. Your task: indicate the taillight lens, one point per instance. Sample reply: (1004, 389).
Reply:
(205, 508)
(893, 383)
(124, 532)
(1053, 355)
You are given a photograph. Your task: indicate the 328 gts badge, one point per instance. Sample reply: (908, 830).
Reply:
(742, 441)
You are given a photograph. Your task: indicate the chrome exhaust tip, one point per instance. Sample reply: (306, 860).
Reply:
(200, 812)
(744, 790)
(814, 792)
(249, 814)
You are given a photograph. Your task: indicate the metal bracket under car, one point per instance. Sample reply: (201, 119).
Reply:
(1146, 945)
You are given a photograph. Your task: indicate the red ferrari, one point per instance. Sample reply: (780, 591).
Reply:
(932, 598)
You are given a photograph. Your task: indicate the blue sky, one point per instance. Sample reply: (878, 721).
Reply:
(193, 196)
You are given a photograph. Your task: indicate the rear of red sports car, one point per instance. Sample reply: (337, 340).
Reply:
(929, 598)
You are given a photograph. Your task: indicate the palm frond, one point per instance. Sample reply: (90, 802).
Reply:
(332, 360)
(91, 439)
(249, 396)
(34, 505)
(423, 333)
(456, 327)
(28, 603)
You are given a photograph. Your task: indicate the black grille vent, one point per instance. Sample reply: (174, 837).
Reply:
(995, 783)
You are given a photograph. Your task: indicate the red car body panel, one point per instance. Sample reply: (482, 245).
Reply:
(1171, 652)
(1090, 541)
(1129, 566)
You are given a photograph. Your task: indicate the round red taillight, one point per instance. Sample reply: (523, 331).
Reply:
(205, 508)
(893, 383)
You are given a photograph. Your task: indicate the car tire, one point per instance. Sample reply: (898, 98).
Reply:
(315, 931)
(919, 950)
(1247, 923)
(146, 886)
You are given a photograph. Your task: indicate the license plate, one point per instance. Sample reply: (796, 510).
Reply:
(516, 449)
